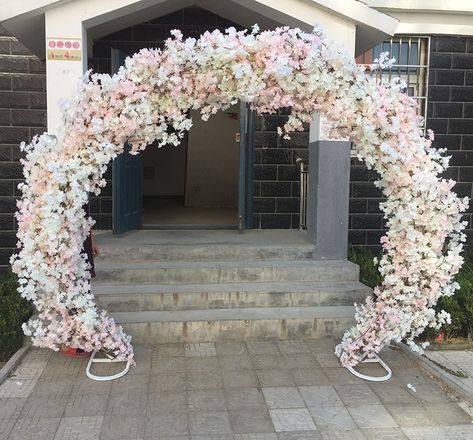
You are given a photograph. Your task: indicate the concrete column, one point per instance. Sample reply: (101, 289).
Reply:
(328, 195)
(63, 75)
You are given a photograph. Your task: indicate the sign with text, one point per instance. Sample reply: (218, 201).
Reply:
(64, 49)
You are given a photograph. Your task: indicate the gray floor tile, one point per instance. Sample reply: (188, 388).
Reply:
(167, 351)
(410, 415)
(250, 421)
(199, 380)
(235, 363)
(159, 426)
(300, 435)
(167, 402)
(372, 416)
(79, 428)
(209, 423)
(332, 418)
(309, 376)
(167, 382)
(292, 420)
(244, 398)
(358, 394)
(81, 404)
(425, 433)
(206, 400)
(323, 395)
(275, 378)
(35, 428)
(384, 434)
(116, 427)
(262, 347)
(293, 347)
(229, 348)
(239, 379)
(283, 397)
(447, 414)
(268, 362)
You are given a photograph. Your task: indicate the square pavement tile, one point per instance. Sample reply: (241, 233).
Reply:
(459, 432)
(426, 433)
(79, 428)
(262, 347)
(129, 404)
(11, 408)
(202, 364)
(164, 426)
(447, 414)
(372, 416)
(167, 402)
(37, 428)
(283, 397)
(268, 362)
(199, 380)
(384, 434)
(59, 387)
(358, 394)
(130, 384)
(229, 348)
(167, 351)
(410, 415)
(342, 435)
(393, 393)
(29, 370)
(43, 407)
(205, 400)
(255, 436)
(341, 376)
(332, 417)
(301, 361)
(209, 423)
(235, 363)
(320, 396)
(168, 365)
(251, 421)
(122, 428)
(292, 420)
(239, 379)
(81, 404)
(275, 378)
(244, 398)
(293, 347)
(309, 376)
(200, 349)
(300, 435)
(167, 382)
(17, 388)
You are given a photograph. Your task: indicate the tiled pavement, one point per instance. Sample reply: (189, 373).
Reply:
(282, 390)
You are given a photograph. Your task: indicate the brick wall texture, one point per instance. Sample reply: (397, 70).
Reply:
(22, 115)
(276, 175)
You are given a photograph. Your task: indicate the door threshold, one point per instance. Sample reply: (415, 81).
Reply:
(190, 226)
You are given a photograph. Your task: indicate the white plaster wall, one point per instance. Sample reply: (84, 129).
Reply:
(212, 161)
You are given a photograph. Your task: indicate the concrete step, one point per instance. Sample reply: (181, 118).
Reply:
(162, 297)
(236, 324)
(147, 246)
(172, 272)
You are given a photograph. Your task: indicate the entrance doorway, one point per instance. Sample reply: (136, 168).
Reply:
(204, 183)
(195, 183)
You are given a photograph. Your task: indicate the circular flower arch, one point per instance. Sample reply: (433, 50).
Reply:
(283, 68)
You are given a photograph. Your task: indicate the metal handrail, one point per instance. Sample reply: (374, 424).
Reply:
(304, 182)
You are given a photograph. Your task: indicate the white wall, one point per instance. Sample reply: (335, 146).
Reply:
(212, 161)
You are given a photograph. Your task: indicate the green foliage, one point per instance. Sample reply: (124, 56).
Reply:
(14, 310)
(460, 305)
(369, 273)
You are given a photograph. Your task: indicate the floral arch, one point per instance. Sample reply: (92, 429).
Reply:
(269, 70)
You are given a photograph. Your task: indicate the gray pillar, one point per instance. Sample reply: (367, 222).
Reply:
(328, 197)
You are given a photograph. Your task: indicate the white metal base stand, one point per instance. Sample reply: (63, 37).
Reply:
(372, 360)
(93, 360)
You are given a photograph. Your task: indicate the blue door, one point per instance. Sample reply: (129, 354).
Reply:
(126, 179)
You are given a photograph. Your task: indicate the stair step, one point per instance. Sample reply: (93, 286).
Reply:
(225, 271)
(146, 246)
(236, 324)
(227, 295)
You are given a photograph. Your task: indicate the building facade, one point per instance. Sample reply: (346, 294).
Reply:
(172, 191)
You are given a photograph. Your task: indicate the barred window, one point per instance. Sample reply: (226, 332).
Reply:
(412, 65)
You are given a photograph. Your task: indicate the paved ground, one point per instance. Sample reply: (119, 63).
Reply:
(456, 361)
(227, 391)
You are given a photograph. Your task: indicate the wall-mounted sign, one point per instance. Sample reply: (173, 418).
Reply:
(64, 49)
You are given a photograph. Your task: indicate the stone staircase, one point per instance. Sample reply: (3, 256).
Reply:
(197, 286)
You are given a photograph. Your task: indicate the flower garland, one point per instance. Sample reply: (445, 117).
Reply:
(283, 68)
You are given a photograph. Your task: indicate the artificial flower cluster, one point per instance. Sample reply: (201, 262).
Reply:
(282, 68)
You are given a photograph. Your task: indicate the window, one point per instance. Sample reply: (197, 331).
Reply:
(412, 65)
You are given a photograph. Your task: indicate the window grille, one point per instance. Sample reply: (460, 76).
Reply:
(412, 65)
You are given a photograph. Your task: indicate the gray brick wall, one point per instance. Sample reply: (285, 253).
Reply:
(450, 115)
(22, 115)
